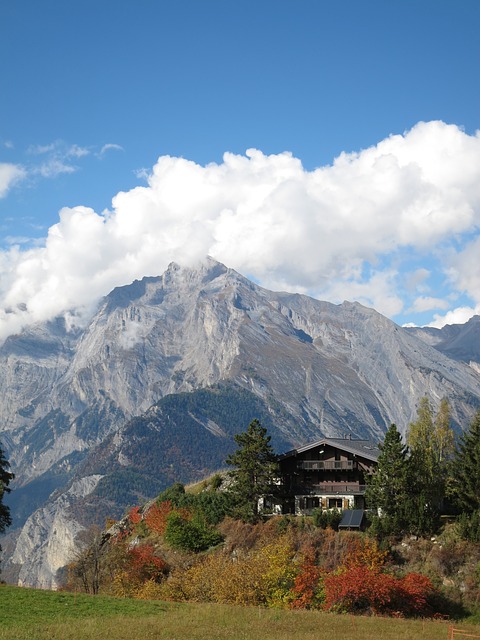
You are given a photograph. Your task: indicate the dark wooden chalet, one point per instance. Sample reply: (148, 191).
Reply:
(329, 473)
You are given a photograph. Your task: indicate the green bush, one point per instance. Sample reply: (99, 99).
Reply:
(328, 518)
(190, 535)
(468, 525)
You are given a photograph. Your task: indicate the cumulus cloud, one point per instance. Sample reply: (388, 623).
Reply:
(10, 174)
(460, 315)
(338, 232)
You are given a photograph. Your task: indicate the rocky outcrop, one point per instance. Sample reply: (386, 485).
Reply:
(47, 541)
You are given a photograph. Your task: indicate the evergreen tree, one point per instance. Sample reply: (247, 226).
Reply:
(254, 472)
(466, 469)
(5, 477)
(388, 488)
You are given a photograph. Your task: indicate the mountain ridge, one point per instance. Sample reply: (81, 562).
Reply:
(315, 367)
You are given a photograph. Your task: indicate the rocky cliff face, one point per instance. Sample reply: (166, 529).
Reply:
(47, 541)
(320, 369)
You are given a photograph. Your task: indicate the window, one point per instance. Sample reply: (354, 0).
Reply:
(334, 503)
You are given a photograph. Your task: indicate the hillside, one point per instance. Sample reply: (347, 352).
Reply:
(168, 369)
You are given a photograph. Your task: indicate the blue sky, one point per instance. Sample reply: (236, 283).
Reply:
(361, 117)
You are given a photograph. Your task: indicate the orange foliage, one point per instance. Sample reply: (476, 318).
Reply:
(359, 589)
(307, 587)
(365, 553)
(144, 564)
(134, 515)
(156, 517)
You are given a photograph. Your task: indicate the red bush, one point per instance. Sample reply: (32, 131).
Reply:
(307, 587)
(144, 564)
(361, 590)
(156, 517)
(134, 515)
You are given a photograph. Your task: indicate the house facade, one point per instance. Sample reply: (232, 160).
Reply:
(327, 474)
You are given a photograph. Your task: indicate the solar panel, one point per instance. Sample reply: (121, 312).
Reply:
(352, 518)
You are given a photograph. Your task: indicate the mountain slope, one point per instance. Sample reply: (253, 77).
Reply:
(77, 400)
(460, 342)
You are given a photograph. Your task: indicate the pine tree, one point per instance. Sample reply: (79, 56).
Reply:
(5, 478)
(388, 488)
(255, 470)
(466, 469)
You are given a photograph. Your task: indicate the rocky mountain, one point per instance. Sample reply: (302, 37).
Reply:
(170, 367)
(460, 342)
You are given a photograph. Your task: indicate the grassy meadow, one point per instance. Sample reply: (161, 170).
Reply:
(29, 614)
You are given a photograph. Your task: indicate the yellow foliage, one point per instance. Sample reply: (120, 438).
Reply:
(149, 590)
(122, 586)
(261, 577)
(280, 571)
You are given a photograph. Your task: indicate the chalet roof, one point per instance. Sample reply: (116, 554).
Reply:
(365, 448)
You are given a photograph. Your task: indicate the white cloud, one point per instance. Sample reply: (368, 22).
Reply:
(53, 168)
(416, 280)
(75, 151)
(339, 232)
(464, 269)
(109, 147)
(10, 174)
(460, 315)
(17, 240)
(40, 149)
(58, 160)
(427, 303)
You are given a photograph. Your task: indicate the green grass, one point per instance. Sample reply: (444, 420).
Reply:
(28, 614)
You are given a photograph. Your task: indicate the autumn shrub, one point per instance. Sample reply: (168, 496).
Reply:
(216, 578)
(279, 571)
(365, 552)
(308, 589)
(361, 585)
(242, 536)
(134, 515)
(359, 589)
(264, 576)
(145, 564)
(149, 590)
(156, 516)
(333, 548)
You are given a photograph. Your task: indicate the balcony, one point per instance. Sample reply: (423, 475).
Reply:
(328, 489)
(332, 488)
(326, 465)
